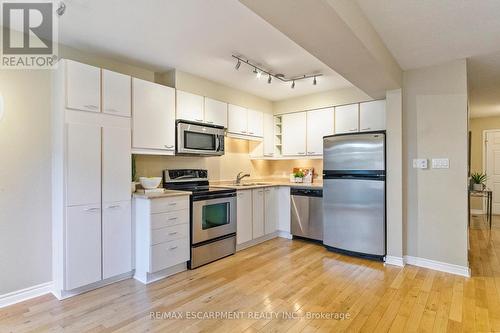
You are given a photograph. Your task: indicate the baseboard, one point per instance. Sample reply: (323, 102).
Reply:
(477, 211)
(256, 241)
(25, 294)
(284, 234)
(396, 261)
(147, 278)
(438, 266)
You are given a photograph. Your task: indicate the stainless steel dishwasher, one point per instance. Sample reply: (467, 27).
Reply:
(307, 213)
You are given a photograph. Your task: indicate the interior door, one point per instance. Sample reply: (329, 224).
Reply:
(493, 167)
(319, 124)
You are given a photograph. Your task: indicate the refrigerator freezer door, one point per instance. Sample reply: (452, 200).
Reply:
(354, 215)
(354, 152)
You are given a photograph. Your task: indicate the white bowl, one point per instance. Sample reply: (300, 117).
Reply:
(150, 183)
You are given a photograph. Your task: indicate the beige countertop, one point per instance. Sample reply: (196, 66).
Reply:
(266, 183)
(165, 194)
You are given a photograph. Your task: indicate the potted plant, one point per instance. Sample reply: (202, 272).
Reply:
(478, 180)
(299, 176)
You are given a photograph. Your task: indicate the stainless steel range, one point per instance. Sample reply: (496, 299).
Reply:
(213, 215)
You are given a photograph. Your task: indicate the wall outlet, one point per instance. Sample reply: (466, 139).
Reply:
(440, 163)
(419, 163)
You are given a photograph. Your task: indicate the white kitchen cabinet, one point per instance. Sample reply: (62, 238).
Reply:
(82, 245)
(255, 123)
(215, 112)
(153, 112)
(271, 205)
(236, 119)
(347, 118)
(116, 238)
(116, 93)
(268, 144)
(319, 124)
(116, 164)
(189, 106)
(294, 134)
(372, 116)
(244, 216)
(83, 87)
(83, 164)
(258, 212)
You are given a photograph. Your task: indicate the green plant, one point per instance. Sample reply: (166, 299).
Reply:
(298, 174)
(478, 177)
(134, 170)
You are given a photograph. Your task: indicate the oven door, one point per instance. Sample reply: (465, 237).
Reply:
(199, 139)
(213, 217)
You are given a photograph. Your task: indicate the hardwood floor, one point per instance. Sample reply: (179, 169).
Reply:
(284, 277)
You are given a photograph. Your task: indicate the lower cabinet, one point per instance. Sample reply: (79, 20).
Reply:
(83, 246)
(162, 237)
(257, 213)
(116, 239)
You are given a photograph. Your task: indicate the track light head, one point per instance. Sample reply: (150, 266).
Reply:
(269, 79)
(255, 70)
(314, 81)
(238, 64)
(259, 74)
(293, 84)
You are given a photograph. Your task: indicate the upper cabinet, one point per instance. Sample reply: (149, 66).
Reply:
(245, 123)
(83, 87)
(215, 112)
(294, 134)
(153, 112)
(116, 93)
(268, 144)
(372, 116)
(319, 124)
(347, 118)
(189, 106)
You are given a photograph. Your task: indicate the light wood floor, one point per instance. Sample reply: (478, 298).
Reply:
(287, 277)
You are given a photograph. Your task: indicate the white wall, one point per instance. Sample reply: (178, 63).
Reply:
(435, 126)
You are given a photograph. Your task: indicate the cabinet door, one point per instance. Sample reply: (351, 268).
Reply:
(83, 87)
(153, 112)
(236, 119)
(258, 213)
(82, 246)
(244, 216)
(116, 239)
(372, 116)
(116, 93)
(294, 133)
(83, 184)
(319, 124)
(116, 164)
(189, 106)
(255, 123)
(268, 135)
(215, 112)
(346, 118)
(270, 209)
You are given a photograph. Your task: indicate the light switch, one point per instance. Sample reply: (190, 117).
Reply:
(440, 163)
(420, 163)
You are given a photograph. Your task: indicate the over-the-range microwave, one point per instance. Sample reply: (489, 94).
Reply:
(199, 139)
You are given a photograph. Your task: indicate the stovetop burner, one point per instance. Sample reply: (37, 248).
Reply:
(193, 180)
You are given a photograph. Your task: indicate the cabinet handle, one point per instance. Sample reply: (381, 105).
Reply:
(268, 154)
(172, 219)
(168, 146)
(173, 204)
(243, 131)
(200, 120)
(91, 210)
(173, 247)
(173, 233)
(300, 153)
(113, 206)
(366, 129)
(250, 132)
(353, 130)
(90, 106)
(210, 122)
(112, 110)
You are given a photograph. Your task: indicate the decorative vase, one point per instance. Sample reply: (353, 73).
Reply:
(477, 187)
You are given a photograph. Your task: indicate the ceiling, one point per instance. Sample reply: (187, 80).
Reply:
(195, 36)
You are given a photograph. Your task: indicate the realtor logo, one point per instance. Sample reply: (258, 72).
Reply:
(29, 35)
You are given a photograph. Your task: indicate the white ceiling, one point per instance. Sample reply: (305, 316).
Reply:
(195, 36)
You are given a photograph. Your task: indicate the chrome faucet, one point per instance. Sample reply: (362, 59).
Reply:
(239, 177)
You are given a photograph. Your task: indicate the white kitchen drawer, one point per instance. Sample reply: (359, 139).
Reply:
(163, 220)
(167, 234)
(168, 254)
(164, 205)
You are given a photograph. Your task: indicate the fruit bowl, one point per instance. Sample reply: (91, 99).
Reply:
(150, 183)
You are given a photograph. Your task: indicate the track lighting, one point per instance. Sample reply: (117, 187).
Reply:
(238, 64)
(269, 79)
(293, 84)
(314, 81)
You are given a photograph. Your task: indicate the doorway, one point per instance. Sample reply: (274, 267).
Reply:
(491, 165)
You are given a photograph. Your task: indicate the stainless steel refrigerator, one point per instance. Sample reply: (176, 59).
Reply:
(354, 214)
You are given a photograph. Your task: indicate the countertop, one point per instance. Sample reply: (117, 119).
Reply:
(165, 194)
(266, 183)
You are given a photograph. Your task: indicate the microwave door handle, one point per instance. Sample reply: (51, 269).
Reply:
(217, 138)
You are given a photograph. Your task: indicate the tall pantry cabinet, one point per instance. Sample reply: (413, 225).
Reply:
(91, 200)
